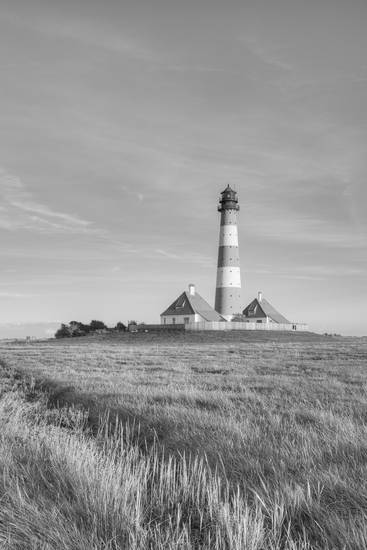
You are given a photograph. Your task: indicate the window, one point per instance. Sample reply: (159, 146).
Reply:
(173, 320)
(181, 302)
(164, 320)
(252, 310)
(186, 320)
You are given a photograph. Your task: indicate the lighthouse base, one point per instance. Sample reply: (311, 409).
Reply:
(228, 317)
(228, 302)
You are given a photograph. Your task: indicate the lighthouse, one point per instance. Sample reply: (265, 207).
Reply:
(228, 287)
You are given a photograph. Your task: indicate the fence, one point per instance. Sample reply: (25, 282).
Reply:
(218, 325)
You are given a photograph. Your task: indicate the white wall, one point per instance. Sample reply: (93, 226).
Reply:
(246, 326)
(255, 319)
(180, 319)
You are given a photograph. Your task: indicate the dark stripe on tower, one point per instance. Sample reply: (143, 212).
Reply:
(228, 256)
(228, 217)
(226, 296)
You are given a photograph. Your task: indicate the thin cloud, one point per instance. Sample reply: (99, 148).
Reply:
(169, 255)
(191, 257)
(86, 31)
(269, 56)
(304, 229)
(19, 210)
(309, 272)
(17, 295)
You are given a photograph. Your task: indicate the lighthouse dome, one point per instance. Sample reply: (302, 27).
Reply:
(229, 200)
(229, 192)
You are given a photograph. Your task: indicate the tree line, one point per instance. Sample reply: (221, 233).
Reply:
(76, 328)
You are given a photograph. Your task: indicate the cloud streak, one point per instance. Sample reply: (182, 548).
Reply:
(305, 230)
(20, 211)
(191, 257)
(12, 295)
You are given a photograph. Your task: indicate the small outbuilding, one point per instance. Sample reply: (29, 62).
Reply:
(189, 307)
(261, 311)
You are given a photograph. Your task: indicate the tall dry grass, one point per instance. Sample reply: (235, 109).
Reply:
(61, 488)
(222, 445)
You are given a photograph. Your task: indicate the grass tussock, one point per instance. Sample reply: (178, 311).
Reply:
(219, 446)
(62, 488)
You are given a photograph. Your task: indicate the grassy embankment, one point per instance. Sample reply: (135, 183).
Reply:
(255, 441)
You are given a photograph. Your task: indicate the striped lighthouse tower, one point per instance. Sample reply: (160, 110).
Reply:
(228, 288)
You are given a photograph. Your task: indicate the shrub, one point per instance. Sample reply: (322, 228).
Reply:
(63, 332)
(96, 325)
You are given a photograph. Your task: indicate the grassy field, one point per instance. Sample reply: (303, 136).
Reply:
(246, 440)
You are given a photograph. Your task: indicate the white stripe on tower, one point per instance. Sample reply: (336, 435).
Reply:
(228, 235)
(228, 287)
(228, 276)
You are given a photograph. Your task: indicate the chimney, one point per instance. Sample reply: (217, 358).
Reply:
(259, 296)
(192, 290)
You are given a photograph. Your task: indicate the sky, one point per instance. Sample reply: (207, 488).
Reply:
(122, 121)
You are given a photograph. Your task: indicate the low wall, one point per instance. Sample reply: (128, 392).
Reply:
(156, 328)
(217, 325)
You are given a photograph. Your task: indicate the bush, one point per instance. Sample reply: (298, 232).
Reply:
(63, 332)
(76, 328)
(96, 325)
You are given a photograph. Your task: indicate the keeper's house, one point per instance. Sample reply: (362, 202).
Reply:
(188, 308)
(261, 311)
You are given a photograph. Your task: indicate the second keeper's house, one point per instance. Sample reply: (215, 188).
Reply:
(261, 311)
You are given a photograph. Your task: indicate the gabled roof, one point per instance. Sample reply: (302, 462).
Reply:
(188, 304)
(264, 309)
(181, 306)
